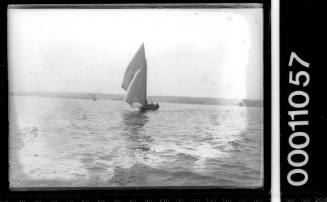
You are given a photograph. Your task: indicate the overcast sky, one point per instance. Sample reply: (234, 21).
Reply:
(193, 52)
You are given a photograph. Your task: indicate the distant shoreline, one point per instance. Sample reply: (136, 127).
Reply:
(168, 99)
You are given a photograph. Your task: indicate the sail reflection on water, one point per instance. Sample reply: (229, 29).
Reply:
(133, 127)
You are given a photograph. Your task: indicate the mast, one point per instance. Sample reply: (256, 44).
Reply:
(146, 77)
(135, 79)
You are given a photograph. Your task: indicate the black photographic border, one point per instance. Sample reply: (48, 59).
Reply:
(173, 194)
(301, 33)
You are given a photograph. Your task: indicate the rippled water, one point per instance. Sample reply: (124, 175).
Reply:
(75, 142)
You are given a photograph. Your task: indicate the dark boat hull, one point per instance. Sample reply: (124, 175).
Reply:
(149, 107)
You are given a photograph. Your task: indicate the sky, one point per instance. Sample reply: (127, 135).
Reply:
(190, 52)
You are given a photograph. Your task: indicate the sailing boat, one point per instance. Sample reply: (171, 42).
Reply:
(94, 97)
(135, 80)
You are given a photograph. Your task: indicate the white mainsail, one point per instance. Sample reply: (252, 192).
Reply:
(134, 81)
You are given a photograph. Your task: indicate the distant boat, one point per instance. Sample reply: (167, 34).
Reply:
(135, 80)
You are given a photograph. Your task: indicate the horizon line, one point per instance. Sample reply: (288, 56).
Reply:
(15, 92)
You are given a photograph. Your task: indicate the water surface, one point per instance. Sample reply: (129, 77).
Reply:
(57, 142)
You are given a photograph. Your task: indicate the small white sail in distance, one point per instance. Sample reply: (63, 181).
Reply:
(134, 81)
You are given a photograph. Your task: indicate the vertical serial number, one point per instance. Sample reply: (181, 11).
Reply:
(298, 101)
